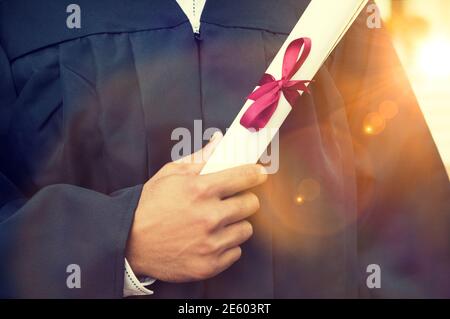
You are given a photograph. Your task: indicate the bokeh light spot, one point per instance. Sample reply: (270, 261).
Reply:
(307, 190)
(299, 200)
(374, 123)
(388, 109)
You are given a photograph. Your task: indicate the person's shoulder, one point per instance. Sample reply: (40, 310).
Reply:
(267, 15)
(27, 25)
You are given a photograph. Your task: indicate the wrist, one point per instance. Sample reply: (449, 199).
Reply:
(134, 261)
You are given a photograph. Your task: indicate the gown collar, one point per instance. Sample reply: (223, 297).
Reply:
(26, 25)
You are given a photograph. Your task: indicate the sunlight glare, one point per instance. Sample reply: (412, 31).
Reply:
(433, 57)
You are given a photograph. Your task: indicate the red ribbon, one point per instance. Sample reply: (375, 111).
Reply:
(267, 96)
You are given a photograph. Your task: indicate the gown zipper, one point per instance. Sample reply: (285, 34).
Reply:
(196, 21)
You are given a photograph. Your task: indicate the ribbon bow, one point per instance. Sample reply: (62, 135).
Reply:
(267, 96)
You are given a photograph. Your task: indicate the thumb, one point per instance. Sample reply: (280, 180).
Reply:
(193, 162)
(200, 157)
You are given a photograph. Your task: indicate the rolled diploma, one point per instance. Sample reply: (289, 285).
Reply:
(325, 22)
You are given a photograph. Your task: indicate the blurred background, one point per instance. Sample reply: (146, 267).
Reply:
(420, 30)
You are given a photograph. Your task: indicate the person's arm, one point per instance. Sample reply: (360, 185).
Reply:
(46, 237)
(61, 227)
(65, 241)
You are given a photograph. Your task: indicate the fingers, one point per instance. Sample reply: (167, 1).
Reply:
(175, 168)
(230, 239)
(238, 207)
(234, 180)
(233, 235)
(229, 257)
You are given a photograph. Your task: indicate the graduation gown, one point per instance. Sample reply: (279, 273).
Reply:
(86, 117)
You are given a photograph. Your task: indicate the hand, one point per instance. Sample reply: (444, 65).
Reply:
(189, 227)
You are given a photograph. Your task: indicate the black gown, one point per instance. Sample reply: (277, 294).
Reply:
(86, 117)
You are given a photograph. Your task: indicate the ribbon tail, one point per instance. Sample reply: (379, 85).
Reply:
(259, 113)
(294, 86)
(291, 96)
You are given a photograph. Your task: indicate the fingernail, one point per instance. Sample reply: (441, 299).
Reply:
(262, 170)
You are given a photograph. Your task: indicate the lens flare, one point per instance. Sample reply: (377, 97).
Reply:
(374, 123)
(307, 190)
(299, 200)
(388, 109)
(432, 57)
